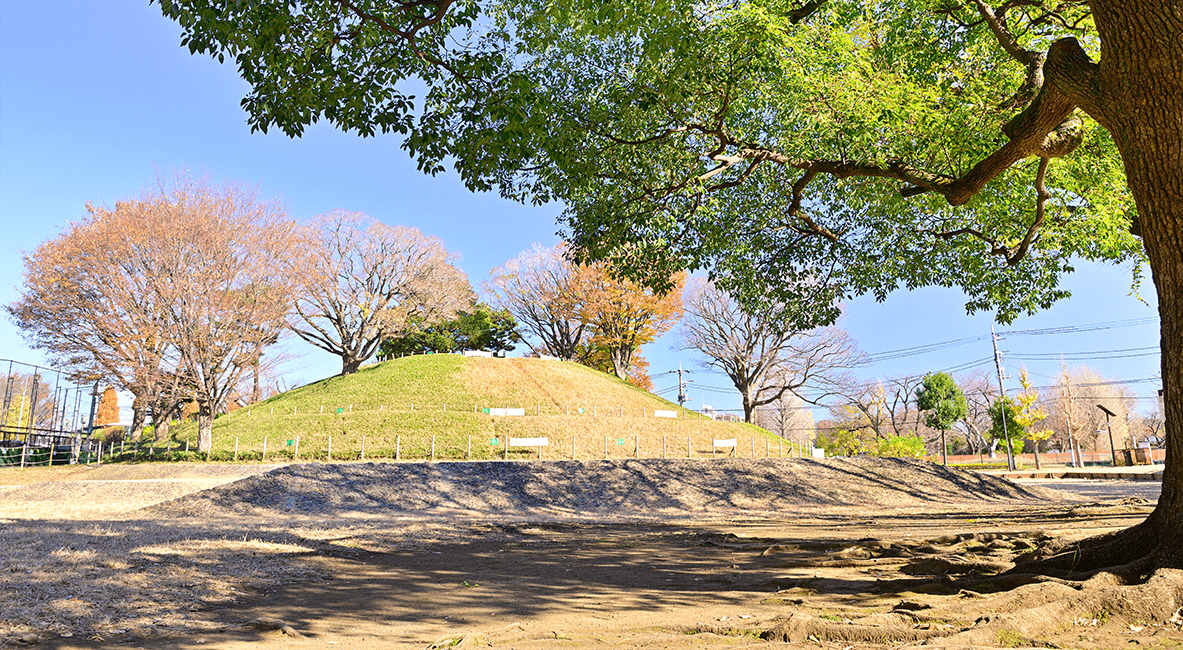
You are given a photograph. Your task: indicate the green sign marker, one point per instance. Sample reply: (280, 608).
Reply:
(291, 442)
(620, 441)
(493, 442)
(340, 410)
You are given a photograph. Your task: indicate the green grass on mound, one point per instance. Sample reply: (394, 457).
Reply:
(403, 406)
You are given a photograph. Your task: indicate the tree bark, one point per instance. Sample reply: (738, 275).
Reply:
(205, 428)
(349, 365)
(1136, 92)
(621, 361)
(749, 405)
(160, 428)
(139, 414)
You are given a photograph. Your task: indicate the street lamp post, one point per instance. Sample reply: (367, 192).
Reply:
(1112, 447)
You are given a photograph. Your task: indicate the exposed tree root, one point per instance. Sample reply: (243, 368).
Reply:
(1025, 615)
(799, 628)
(1127, 552)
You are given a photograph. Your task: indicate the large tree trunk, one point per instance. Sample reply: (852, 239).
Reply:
(1141, 77)
(349, 365)
(139, 414)
(749, 405)
(621, 361)
(160, 428)
(1136, 92)
(205, 428)
(162, 414)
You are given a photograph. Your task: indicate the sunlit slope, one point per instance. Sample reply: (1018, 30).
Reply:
(402, 406)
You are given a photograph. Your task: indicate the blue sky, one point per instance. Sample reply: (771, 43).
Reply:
(96, 98)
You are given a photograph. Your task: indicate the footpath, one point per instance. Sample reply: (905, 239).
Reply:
(1134, 473)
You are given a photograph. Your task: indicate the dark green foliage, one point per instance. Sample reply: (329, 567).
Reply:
(482, 328)
(1014, 429)
(943, 399)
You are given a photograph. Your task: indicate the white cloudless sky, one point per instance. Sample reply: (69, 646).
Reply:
(96, 99)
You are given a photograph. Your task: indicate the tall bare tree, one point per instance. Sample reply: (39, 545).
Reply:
(1072, 408)
(762, 358)
(980, 393)
(364, 281)
(215, 255)
(788, 417)
(544, 291)
(87, 302)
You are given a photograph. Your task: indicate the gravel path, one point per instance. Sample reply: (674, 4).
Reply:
(614, 489)
(1100, 489)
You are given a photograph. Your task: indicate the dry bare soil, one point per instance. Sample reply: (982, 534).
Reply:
(847, 554)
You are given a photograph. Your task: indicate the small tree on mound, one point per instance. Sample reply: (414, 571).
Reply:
(945, 402)
(1007, 424)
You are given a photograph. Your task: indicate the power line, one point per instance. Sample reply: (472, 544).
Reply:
(922, 349)
(1124, 353)
(900, 353)
(1073, 329)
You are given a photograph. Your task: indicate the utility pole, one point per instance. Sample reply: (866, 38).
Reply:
(1010, 454)
(77, 446)
(683, 397)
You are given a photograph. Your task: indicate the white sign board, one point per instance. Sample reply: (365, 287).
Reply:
(478, 353)
(818, 452)
(665, 414)
(507, 412)
(528, 442)
(725, 443)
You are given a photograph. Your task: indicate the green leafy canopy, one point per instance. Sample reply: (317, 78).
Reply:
(943, 399)
(801, 152)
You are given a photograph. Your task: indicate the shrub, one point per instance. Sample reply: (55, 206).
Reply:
(906, 446)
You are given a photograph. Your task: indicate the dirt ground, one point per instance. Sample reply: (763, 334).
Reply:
(878, 572)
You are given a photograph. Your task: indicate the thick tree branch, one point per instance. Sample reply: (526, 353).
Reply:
(1001, 32)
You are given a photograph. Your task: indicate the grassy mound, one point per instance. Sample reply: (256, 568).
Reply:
(407, 407)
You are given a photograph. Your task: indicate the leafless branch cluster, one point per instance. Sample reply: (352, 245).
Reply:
(764, 359)
(362, 282)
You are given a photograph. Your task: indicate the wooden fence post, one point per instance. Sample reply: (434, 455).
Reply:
(363, 447)
(398, 447)
(264, 459)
